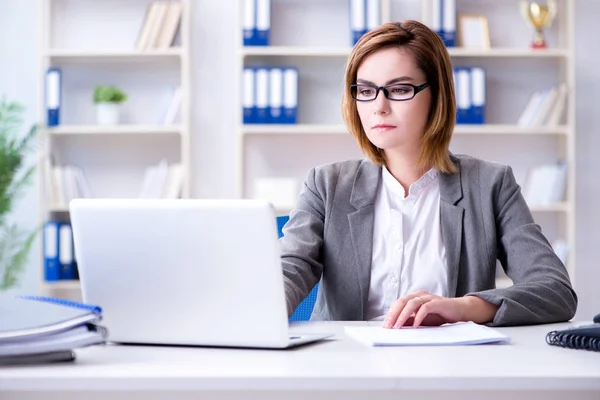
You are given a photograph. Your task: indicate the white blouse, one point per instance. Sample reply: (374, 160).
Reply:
(408, 249)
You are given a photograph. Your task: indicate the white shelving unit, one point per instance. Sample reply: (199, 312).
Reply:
(94, 42)
(513, 72)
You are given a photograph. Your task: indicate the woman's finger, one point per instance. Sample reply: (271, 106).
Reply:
(411, 308)
(398, 306)
(394, 312)
(428, 308)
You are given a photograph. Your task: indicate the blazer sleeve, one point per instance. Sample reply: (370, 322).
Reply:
(301, 244)
(542, 291)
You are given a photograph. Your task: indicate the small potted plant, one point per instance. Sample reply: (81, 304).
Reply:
(108, 101)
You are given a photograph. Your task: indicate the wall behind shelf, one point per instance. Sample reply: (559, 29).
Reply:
(149, 88)
(122, 31)
(114, 165)
(214, 35)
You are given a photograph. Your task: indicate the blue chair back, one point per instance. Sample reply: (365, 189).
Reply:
(305, 308)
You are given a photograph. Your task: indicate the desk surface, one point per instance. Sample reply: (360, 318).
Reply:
(528, 363)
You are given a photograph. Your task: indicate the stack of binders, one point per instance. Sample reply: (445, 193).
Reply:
(443, 20)
(469, 89)
(59, 254)
(270, 95)
(257, 22)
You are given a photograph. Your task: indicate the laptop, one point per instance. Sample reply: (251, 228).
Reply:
(201, 272)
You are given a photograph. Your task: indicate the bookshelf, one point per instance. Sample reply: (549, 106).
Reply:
(95, 43)
(513, 72)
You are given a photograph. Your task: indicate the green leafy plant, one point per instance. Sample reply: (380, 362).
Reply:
(15, 176)
(108, 94)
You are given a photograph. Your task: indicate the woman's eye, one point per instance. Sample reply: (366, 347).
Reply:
(366, 92)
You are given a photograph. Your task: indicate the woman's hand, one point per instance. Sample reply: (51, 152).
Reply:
(423, 308)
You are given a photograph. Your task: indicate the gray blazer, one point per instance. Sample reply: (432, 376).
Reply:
(484, 219)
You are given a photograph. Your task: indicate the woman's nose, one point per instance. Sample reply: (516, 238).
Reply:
(381, 105)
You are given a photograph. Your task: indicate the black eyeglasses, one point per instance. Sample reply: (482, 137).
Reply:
(395, 92)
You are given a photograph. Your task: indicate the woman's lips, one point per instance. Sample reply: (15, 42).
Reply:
(383, 127)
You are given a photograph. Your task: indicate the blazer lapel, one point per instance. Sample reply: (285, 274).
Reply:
(361, 221)
(452, 223)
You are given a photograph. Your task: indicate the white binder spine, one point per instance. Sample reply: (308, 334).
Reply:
(290, 97)
(275, 95)
(373, 14)
(262, 93)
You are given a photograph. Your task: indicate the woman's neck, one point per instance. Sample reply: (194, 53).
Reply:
(405, 169)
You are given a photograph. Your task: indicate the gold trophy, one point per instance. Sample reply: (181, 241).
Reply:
(538, 17)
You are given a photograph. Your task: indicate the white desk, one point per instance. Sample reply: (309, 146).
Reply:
(337, 368)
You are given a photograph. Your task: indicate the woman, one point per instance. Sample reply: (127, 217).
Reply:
(412, 234)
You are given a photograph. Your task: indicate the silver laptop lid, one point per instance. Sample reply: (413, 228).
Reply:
(192, 271)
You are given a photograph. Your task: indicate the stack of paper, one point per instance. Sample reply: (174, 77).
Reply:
(36, 330)
(462, 333)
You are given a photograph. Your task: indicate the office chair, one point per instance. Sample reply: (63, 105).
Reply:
(305, 308)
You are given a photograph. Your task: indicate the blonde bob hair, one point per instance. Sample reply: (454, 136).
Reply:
(433, 59)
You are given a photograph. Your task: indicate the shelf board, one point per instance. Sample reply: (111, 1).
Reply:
(113, 56)
(63, 285)
(508, 52)
(558, 207)
(58, 209)
(508, 129)
(123, 129)
(340, 129)
(340, 51)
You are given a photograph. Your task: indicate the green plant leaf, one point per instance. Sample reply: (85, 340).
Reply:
(14, 249)
(14, 177)
(108, 94)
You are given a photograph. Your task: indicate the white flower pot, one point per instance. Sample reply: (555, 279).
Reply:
(107, 113)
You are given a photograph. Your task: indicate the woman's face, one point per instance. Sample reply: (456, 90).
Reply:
(389, 124)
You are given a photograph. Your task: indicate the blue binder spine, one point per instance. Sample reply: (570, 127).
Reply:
(65, 253)
(53, 96)
(249, 22)
(262, 94)
(478, 95)
(463, 98)
(248, 96)
(263, 22)
(358, 19)
(275, 96)
(290, 95)
(51, 245)
(449, 22)
(436, 18)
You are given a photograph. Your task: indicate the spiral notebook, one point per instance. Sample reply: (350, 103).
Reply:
(585, 337)
(31, 316)
(45, 329)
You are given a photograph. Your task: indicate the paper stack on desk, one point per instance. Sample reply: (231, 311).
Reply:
(462, 333)
(34, 330)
